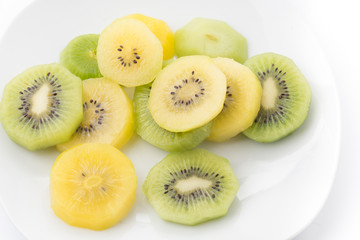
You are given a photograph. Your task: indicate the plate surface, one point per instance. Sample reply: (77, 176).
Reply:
(273, 211)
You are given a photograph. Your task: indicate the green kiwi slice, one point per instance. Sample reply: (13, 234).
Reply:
(191, 187)
(42, 106)
(214, 38)
(79, 56)
(151, 132)
(286, 97)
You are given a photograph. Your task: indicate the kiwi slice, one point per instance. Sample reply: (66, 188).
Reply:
(42, 107)
(286, 97)
(242, 103)
(214, 38)
(187, 94)
(79, 56)
(129, 53)
(151, 132)
(108, 115)
(191, 187)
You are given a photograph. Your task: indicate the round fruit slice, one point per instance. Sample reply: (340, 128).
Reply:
(161, 30)
(210, 37)
(92, 186)
(242, 103)
(187, 94)
(41, 107)
(108, 115)
(129, 53)
(151, 132)
(79, 56)
(191, 187)
(286, 97)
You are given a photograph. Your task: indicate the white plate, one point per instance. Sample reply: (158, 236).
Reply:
(279, 211)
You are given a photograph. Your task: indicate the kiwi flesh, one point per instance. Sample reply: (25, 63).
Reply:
(42, 106)
(108, 115)
(242, 103)
(129, 53)
(191, 187)
(286, 97)
(214, 38)
(187, 94)
(79, 56)
(151, 132)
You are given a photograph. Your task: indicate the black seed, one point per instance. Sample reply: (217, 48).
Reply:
(176, 87)
(217, 175)
(230, 95)
(267, 71)
(99, 123)
(280, 97)
(91, 100)
(196, 80)
(48, 74)
(222, 177)
(184, 170)
(196, 95)
(124, 64)
(121, 46)
(20, 108)
(102, 110)
(213, 196)
(119, 49)
(179, 196)
(83, 174)
(21, 92)
(180, 86)
(134, 61)
(166, 192)
(264, 73)
(103, 189)
(172, 93)
(206, 174)
(137, 57)
(199, 82)
(96, 111)
(91, 126)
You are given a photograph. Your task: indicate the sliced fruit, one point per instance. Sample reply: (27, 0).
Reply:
(129, 53)
(79, 56)
(161, 30)
(187, 94)
(191, 187)
(92, 186)
(108, 115)
(151, 132)
(286, 97)
(210, 37)
(41, 107)
(242, 103)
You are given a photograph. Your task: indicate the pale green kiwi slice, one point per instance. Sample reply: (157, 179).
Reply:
(210, 37)
(286, 97)
(42, 106)
(151, 132)
(79, 56)
(191, 187)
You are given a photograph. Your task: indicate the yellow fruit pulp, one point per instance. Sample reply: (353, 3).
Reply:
(108, 115)
(92, 186)
(242, 102)
(187, 94)
(129, 53)
(161, 30)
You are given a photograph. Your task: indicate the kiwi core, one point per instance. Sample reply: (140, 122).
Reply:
(92, 182)
(270, 93)
(40, 100)
(192, 183)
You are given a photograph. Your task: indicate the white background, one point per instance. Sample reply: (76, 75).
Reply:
(337, 26)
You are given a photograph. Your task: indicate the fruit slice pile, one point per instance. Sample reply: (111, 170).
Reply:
(206, 93)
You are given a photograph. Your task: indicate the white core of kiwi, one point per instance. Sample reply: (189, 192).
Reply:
(40, 100)
(270, 93)
(192, 183)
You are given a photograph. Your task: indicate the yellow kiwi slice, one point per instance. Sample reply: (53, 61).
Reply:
(92, 186)
(242, 103)
(108, 115)
(187, 94)
(161, 30)
(129, 53)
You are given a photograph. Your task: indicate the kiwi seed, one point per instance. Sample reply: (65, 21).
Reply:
(95, 106)
(277, 113)
(180, 100)
(26, 96)
(176, 194)
(133, 60)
